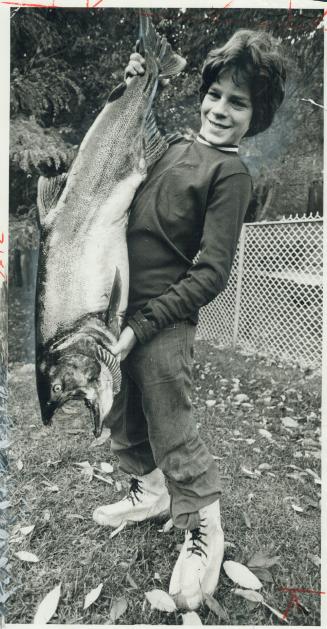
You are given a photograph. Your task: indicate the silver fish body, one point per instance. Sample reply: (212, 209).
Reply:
(82, 286)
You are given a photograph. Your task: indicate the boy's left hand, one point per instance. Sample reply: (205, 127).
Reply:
(125, 344)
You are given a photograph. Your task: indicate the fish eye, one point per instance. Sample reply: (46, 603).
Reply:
(56, 388)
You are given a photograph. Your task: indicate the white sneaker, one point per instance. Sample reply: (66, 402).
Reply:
(148, 497)
(197, 569)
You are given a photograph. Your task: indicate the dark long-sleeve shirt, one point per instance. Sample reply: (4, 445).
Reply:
(194, 199)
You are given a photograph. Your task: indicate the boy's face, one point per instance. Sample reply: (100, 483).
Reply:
(226, 111)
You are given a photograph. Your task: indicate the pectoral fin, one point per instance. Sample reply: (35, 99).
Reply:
(117, 92)
(49, 192)
(112, 318)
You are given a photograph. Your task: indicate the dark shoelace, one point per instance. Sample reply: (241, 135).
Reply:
(135, 488)
(197, 542)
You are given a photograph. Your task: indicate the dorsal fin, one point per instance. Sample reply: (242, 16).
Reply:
(112, 317)
(49, 192)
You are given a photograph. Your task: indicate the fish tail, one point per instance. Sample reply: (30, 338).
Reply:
(169, 62)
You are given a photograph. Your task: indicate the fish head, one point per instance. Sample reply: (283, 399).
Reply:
(77, 377)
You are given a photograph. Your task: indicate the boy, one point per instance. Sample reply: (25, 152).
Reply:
(194, 199)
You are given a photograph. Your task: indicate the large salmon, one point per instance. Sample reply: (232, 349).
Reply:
(82, 285)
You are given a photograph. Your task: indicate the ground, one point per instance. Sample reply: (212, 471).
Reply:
(260, 420)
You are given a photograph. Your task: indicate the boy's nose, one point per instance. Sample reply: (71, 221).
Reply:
(220, 108)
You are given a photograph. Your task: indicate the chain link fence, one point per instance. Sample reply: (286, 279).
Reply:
(273, 301)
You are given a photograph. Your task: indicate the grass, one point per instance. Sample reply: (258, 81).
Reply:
(257, 511)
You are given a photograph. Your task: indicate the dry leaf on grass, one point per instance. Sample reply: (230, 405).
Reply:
(191, 618)
(131, 581)
(249, 473)
(19, 465)
(297, 509)
(26, 530)
(289, 422)
(117, 530)
(23, 555)
(109, 480)
(47, 607)
(250, 595)
(265, 433)
(49, 486)
(107, 468)
(276, 612)
(247, 520)
(263, 574)
(241, 575)
(106, 432)
(118, 608)
(261, 559)
(168, 526)
(315, 560)
(215, 607)
(159, 599)
(92, 596)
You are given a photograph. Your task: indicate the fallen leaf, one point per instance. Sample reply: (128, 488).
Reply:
(131, 581)
(250, 441)
(247, 520)
(26, 530)
(109, 480)
(25, 556)
(289, 422)
(249, 473)
(157, 576)
(118, 485)
(46, 515)
(107, 468)
(49, 486)
(265, 433)
(297, 509)
(241, 575)
(250, 595)
(229, 545)
(210, 403)
(118, 608)
(315, 560)
(159, 599)
(264, 466)
(276, 612)
(312, 473)
(117, 530)
(191, 618)
(168, 526)
(106, 432)
(215, 607)
(47, 607)
(263, 575)
(92, 596)
(240, 398)
(261, 559)
(19, 465)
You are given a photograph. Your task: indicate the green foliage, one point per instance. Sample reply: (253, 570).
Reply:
(33, 146)
(65, 62)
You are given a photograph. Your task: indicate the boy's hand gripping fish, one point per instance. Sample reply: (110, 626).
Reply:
(82, 285)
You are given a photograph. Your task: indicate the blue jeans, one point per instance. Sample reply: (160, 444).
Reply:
(152, 424)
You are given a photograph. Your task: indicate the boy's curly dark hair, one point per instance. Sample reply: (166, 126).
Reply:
(255, 58)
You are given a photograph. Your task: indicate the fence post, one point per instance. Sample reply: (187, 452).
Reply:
(239, 284)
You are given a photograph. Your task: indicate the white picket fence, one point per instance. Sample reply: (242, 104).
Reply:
(273, 302)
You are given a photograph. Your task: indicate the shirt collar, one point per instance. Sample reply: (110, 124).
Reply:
(228, 148)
